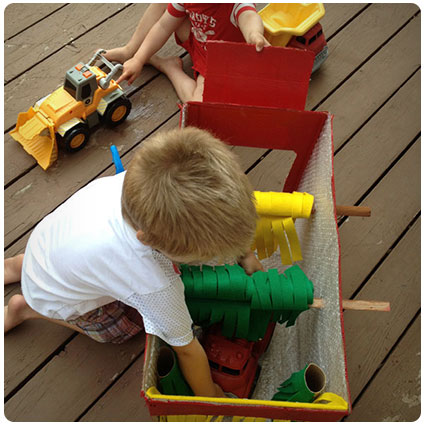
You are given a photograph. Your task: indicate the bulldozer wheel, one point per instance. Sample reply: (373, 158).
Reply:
(75, 138)
(117, 111)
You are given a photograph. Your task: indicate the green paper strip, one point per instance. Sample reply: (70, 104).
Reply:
(210, 282)
(173, 383)
(243, 316)
(217, 314)
(275, 289)
(263, 289)
(223, 282)
(238, 278)
(198, 282)
(295, 389)
(186, 276)
(229, 323)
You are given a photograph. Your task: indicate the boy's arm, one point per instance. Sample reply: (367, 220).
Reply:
(194, 365)
(155, 39)
(252, 28)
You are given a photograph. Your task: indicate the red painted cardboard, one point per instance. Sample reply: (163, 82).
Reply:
(276, 76)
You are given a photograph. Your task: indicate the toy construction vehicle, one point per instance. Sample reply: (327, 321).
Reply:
(88, 97)
(234, 361)
(296, 25)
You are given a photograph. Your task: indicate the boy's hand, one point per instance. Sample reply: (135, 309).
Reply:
(250, 263)
(259, 40)
(132, 69)
(252, 28)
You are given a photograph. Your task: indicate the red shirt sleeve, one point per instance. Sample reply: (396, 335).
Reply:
(176, 9)
(241, 7)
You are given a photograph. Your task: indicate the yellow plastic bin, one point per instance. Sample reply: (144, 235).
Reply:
(284, 20)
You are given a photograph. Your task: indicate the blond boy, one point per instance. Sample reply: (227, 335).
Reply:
(103, 262)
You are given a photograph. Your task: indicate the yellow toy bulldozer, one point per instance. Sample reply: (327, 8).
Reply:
(88, 97)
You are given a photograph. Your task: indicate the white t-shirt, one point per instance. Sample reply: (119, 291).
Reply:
(84, 255)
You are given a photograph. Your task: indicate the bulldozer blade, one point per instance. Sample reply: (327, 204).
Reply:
(36, 135)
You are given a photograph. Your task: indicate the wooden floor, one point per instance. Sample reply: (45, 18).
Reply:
(370, 82)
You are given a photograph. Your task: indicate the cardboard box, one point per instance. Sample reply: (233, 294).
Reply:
(257, 100)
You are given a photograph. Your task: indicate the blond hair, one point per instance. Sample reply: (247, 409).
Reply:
(186, 191)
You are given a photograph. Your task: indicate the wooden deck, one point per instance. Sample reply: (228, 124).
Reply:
(370, 82)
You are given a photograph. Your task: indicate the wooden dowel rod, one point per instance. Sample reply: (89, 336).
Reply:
(356, 305)
(350, 210)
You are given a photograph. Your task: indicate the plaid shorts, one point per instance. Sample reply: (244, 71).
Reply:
(115, 322)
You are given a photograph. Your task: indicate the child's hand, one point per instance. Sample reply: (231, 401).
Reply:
(250, 263)
(258, 39)
(132, 69)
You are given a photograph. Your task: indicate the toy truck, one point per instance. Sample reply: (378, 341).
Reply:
(234, 361)
(88, 97)
(296, 25)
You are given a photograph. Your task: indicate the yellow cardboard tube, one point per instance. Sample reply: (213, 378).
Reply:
(295, 204)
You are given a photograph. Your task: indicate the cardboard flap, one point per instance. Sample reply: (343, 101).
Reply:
(260, 127)
(238, 74)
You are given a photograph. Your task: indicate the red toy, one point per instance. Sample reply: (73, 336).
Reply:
(313, 40)
(234, 362)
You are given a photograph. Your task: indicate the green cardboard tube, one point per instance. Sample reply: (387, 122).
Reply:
(303, 386)
(171, 379)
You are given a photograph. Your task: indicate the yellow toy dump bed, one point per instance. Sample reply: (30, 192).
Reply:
(284, 20)
(35, 132)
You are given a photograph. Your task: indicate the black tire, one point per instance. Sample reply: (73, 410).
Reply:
(117, 112)
(75, 139)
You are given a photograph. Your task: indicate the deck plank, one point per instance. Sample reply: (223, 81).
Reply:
(351, 115)
(394, 395)
(343, 59)
(51, 34)
(19, 16)
(28, 346)
(395, 202)
(371, 335)
(54, 393)
(19, 162)
(384, 72)
(151, 107)
(122, 403)
(355, 43)
(356, 164)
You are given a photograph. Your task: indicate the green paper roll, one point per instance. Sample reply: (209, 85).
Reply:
(171, 379)
(303, 386)
(245, 304)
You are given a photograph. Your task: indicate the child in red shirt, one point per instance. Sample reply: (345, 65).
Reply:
(193, 24)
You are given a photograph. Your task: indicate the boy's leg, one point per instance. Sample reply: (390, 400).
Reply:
(13, 269)
(186, 87)
(148, 20)
(17, 311)
(172, 67)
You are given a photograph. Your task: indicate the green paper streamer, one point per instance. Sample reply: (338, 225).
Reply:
(245, 304)
(300, 388)
(171, 381)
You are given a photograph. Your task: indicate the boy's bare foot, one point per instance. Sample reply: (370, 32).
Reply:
(166, 65)
(12, 269)
(16, 312)
(119, 54)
